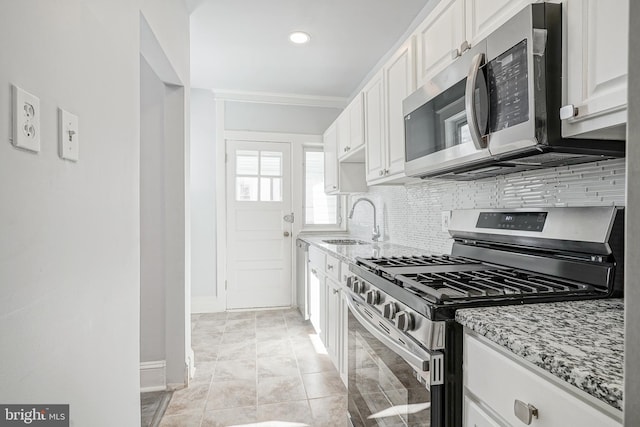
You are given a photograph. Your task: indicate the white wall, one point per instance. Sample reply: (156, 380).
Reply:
(203, 198)
(69, 253)
(278, 117)
(152, 218)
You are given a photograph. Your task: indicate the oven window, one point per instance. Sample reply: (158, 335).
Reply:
(383, 388)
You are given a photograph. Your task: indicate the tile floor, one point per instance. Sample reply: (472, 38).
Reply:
(152, 407)
(258, 367)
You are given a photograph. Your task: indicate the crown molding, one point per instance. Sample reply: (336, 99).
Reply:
(281, 98)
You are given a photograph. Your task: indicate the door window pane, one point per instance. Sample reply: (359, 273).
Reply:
(259, 176)
(270, 163)
(320, 209)
(246, 162)
(246, 189)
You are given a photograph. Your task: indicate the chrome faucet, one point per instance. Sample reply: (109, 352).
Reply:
(376, 228)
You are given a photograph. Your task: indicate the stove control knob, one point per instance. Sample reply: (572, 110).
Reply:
(389, 310)
(357, 286)
(404, 321)
(372, 297)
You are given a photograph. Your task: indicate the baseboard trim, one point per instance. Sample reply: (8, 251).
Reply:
(153, 376)
(207, 305)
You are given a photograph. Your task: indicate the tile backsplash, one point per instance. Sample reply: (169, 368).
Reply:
(411, 214)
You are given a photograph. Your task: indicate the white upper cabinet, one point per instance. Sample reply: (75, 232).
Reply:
(400, 82)
(596, 60)
(455, 25)
(439, 38)
(351, 129)
(374, 127)
(484, 16)
(330, 159)
(339, 177)
(384, 120)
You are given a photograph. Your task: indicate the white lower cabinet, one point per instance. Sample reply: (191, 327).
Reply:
(328, 309)
(496, 381)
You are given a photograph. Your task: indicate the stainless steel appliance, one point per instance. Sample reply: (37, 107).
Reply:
(496, 109)
(405, 349)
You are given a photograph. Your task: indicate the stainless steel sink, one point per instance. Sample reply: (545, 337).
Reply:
(346, 242)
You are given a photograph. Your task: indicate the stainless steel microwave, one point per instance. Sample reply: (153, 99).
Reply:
(495, 109)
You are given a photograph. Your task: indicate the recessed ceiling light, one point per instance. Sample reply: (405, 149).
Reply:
(299, 37)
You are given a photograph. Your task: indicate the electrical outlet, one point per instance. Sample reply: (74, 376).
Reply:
(26, 120)
(68, 136)
(446, 217)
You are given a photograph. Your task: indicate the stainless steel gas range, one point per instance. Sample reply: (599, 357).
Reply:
(404, 347)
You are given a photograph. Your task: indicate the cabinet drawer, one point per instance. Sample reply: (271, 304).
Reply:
(317, 258)
(333, 268)
(497, 380)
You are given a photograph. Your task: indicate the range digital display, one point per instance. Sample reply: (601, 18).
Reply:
(525, 221)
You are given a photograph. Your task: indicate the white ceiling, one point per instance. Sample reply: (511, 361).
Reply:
(243, 45)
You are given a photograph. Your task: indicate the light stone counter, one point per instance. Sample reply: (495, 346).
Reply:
(581, 342)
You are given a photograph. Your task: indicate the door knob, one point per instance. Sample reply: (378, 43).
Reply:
(286, 234)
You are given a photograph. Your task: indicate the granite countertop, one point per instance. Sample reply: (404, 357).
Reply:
(348, 253)
(581, 342)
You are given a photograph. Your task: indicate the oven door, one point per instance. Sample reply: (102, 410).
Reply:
(388, 384)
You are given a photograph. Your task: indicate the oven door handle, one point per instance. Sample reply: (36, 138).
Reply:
(418, 358)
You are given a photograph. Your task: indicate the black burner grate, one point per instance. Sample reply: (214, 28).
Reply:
(471, 285)
(416, 261)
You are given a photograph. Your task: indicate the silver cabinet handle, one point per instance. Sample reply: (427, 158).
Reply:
(470, 101)
(329, 267)
(286, 234)
(380, 173)
(525, 412)
(455, 53)
(568, 111)
(464, 46)
(335, 291)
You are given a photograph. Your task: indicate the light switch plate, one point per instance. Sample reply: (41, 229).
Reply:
(26, 119)
(68, 136)
(446, 217)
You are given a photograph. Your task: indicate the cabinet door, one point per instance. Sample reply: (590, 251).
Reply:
(344, 132)
(400, 83)
(330, 160)
(484, 16)
(597, 60)
(439, 38)
(356, 123)
(323, 312)
(374, 127)
(314, 297)
(343, 346)
(333, 310)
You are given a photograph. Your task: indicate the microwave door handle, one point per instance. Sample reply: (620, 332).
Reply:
(479, 141)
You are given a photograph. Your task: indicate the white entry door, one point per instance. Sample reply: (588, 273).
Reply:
(258, 238)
